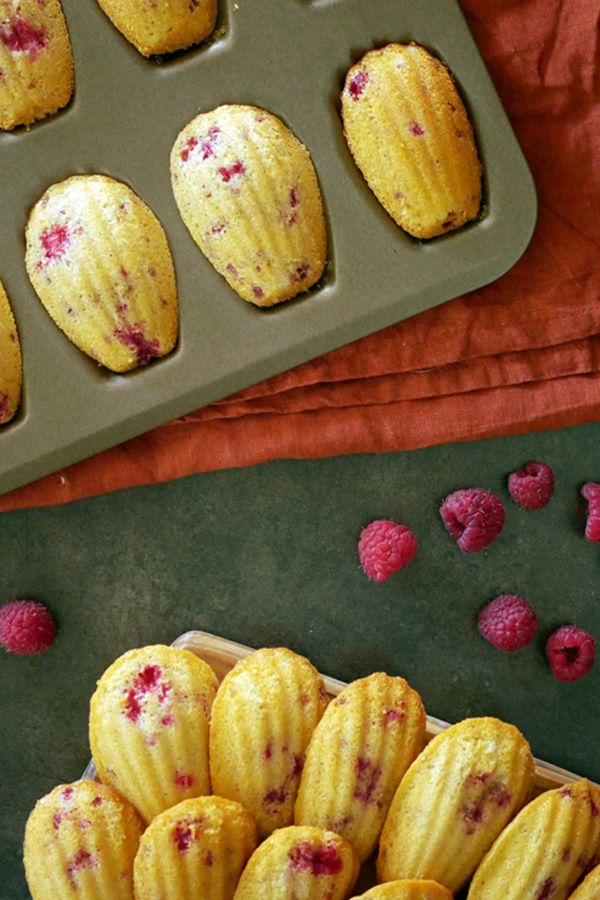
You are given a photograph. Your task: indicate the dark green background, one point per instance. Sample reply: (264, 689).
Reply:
(267, 555)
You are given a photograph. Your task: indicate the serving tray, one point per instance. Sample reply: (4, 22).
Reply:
(289, 56)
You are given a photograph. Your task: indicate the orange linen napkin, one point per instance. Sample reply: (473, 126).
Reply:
(519, 355)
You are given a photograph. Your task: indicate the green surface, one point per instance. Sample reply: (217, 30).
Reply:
(267, 555)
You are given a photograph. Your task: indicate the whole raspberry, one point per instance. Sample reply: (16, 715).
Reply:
(508, 622)
(570, 652)
(473, 517)
(385, 547)
(591, 492)
(26, 627)
(532, 486)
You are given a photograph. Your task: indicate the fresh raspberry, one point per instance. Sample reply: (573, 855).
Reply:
(532, 486)
(473, 517)
(508, 622)
(385, 547)
(26, 627)
(591, 492)
(570, 652)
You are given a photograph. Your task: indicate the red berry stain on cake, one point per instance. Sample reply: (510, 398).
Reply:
(184, 833)
(125, 276)
(393, 715)
(20, 36)
(97, 801)
(487, 792)
(151, 271)
(209, 859)
(147, 682)
(304, 698)
(357, 84)
(367, 780)
(183, 780)
(566, 855)
(450, 220)
(582, 861)
(133, 337)
(546, 889)
(341, 701)
(258, 292)
(297, 766)
(300, 273)
(416, 129)
(593, 806)
(219, 228)
(167, 720)
(4, 406)
(278, 796)
(229, 172)
(190, 144)
(55, 241)
(268, 751)
(67, 794)
(294, 200)
(82, 860)
(316, 859)
(122, 307)
(275, 797)
(57, 819)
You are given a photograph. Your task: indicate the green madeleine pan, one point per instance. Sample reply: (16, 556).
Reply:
(290, 57)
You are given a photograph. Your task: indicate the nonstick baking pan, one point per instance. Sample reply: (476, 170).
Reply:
(290, 57)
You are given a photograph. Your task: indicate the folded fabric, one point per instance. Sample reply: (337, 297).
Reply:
(519, 355)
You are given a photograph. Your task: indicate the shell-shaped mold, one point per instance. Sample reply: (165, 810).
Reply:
(361, 748)
(411, 137)
(36, 63)
(247, 191)
(149, 721)
(300, 863)
(544, 851)
(99, 261)
(263, 718)
(454, 801)
(162, 27)
(195, 849)
(11, 367)
(407, 890)
(81, 841)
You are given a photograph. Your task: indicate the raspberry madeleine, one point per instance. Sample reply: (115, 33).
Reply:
(407, 890)
(198, 848)
(454, 801)
(149, 720)
(162, 27)
(247, 191)
(300, 863)
(81, 841)
(11, 367)
(262, 720)
(589, 889)
(99, 261)
(361, 748)
(36, 63)
(544, 851)
(411, 137)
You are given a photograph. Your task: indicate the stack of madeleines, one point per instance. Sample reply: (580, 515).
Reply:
(261, 788)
